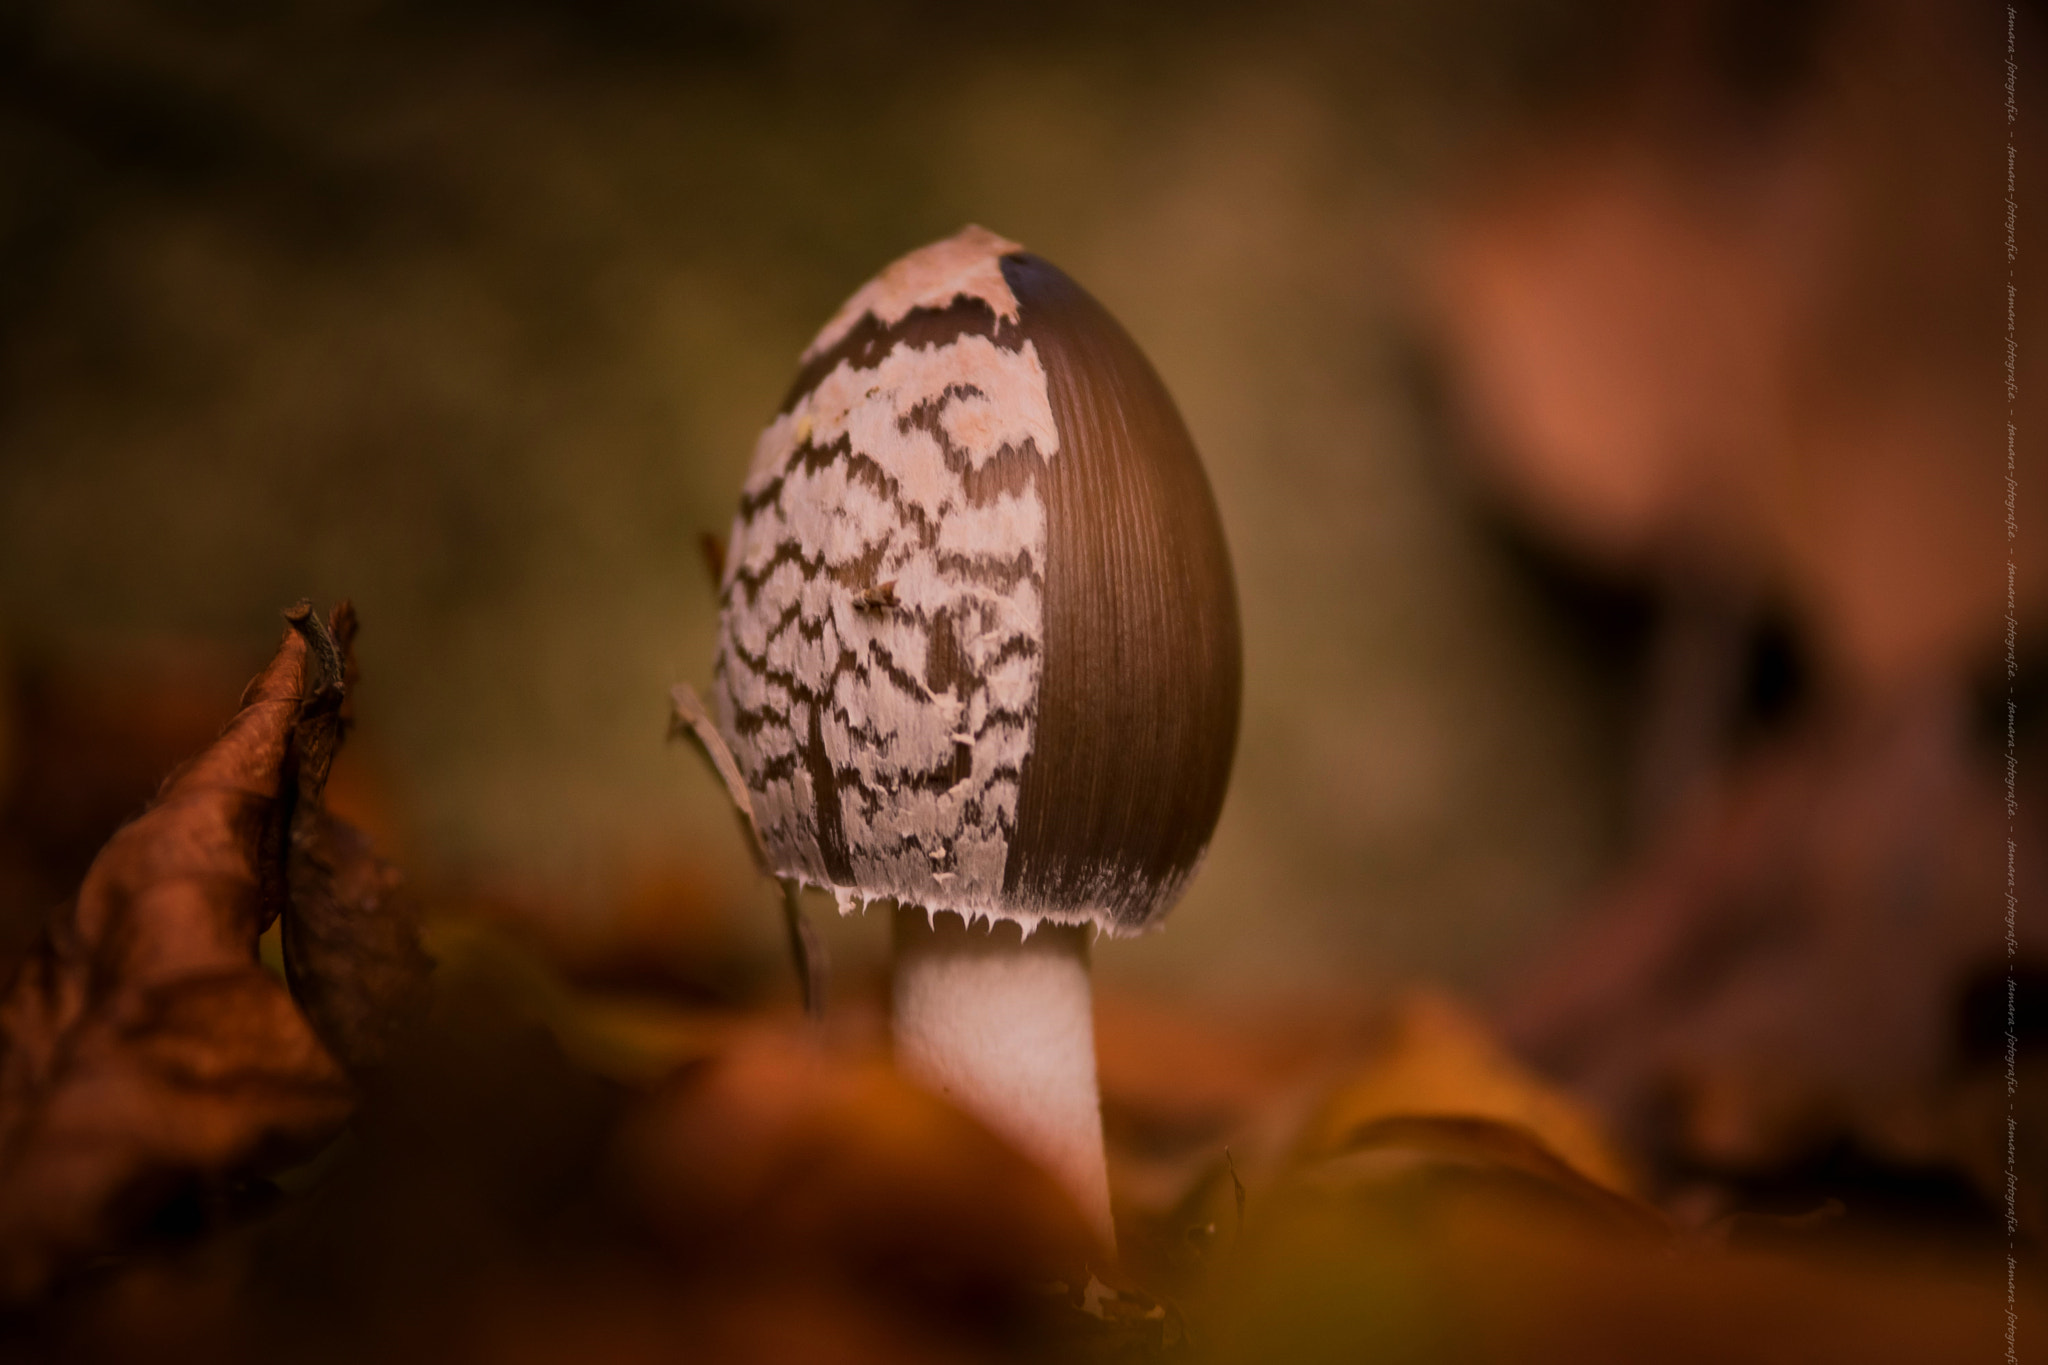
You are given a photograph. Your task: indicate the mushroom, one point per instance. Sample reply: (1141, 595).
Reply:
(978, 656)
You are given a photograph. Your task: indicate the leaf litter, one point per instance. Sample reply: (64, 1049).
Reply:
(539, 1169)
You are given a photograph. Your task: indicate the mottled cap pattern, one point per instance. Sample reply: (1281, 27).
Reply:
(978, 643)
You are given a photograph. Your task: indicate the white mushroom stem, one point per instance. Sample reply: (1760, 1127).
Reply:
(1004, 1026)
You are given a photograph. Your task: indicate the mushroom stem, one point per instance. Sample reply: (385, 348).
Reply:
(1003, 1025)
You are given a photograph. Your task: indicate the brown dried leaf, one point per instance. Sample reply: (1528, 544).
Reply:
(1456, 1265)
(645, 1318)
(91, 737)
(1438, 1061)
(352, 950)
(1439, 1116)
(1468, 1236)
(141, 1044)
(785, 1150)
(1787, 969)
(1501, 1155)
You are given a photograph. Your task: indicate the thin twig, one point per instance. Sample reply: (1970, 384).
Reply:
(690, 718)
(807, 951)
(1237, 1188)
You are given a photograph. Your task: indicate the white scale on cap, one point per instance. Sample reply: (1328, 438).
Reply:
(886, 508)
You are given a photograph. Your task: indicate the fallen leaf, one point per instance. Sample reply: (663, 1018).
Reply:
(784, 1150)
(91, 735)
(352, 950)
(1786, 972)
(142, 1046)
(1402, 1146)
(1445, 1263)
(1438, 1061)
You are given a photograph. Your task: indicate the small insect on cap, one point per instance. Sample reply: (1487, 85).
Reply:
(978, 648)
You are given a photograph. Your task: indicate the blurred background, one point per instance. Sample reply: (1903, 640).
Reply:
(1606, 404)
(471, 314)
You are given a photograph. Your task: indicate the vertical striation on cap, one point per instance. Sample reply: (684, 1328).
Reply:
(978, 645)
(1136, 723)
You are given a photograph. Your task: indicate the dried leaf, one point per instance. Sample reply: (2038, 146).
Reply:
(781, 1149)
(91, 739)
(1450, 1267)
(690, 718)
(1501, 1154)
(142, 1046)
(1438, 1061)
(352, 950)
(1784, 973)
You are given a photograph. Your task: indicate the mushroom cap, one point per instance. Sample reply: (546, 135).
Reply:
(978, 638)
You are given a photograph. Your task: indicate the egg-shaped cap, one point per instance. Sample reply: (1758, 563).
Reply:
(978, 642)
